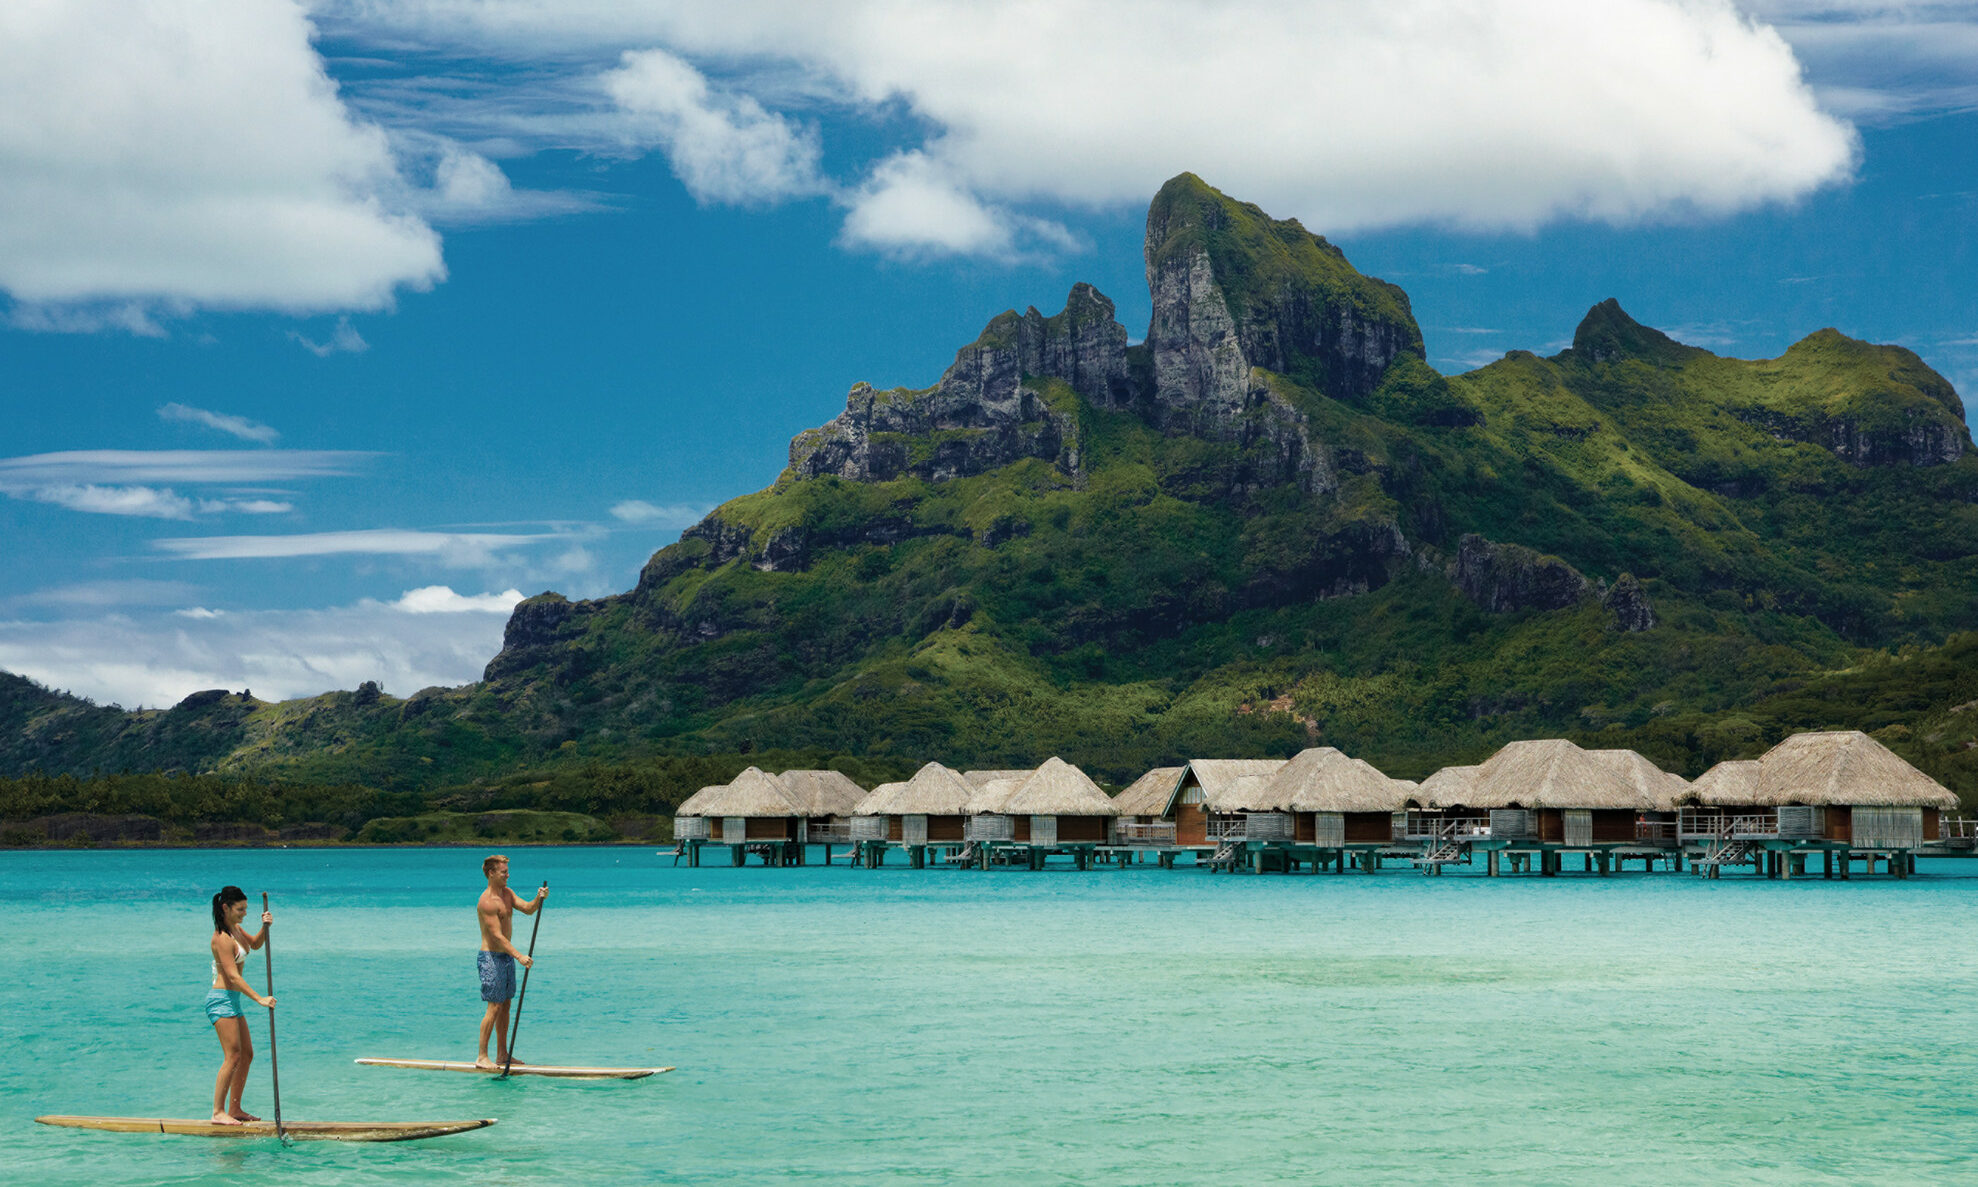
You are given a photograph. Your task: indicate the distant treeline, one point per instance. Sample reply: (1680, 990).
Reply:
(194, 803)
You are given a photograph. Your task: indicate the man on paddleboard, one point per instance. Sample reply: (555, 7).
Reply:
(498, 955)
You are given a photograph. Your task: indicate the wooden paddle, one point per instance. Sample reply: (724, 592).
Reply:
(274, 1060)
(515, 1026)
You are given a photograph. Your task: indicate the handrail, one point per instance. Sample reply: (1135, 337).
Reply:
(1227, 828)
(1420, 824)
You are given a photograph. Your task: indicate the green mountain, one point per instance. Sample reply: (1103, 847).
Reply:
(1269, 523)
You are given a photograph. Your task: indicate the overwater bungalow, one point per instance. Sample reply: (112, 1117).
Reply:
(1706, 806)
(1654, 827)
(874, 826)
(1142, 808)
(1195, 804)
(1324, 798)
(689, 823)
(930, 807)
(1545, 796)
(753, 809)
(827, 799)
(1439, 807)
(1064, 806)
(1836, 790)
(986, 820)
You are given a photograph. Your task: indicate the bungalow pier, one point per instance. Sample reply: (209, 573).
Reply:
(1835, 803)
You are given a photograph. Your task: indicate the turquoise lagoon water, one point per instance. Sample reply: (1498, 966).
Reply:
(1115, 1026)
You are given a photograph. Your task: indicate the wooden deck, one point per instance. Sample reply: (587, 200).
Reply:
(1752, 851)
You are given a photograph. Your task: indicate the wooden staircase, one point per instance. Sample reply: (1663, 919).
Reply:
(1724, 850)
(1445, 849)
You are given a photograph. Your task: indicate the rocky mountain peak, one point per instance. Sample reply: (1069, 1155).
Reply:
(991, 407)
(1608, 335)
(1234, 289)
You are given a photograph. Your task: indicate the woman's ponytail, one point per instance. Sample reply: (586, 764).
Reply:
(228, 896)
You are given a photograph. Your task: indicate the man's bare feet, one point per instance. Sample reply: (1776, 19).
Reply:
(243, 1115)
(225, 1119)
(514, 1062)
(482, 1060)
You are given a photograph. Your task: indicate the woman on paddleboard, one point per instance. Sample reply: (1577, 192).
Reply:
(230, 947)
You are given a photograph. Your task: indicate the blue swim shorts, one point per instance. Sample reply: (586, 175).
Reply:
(497, 976)
(222, 1003)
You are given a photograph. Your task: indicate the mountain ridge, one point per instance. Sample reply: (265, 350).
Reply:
(1071, 544)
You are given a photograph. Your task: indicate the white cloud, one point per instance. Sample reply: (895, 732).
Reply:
(184, 153)
(343, 340)
(247, 506)
(131, 591)
(1878, 61)
(155, 659)
(1346, 114)
(672, 515)
(146, 501)
(94, 317)
(123, 482)
(910, 204)
(177, 465)
(440, 599)
(459, 549)
(238, 426)
(724, 148)
(574, 561)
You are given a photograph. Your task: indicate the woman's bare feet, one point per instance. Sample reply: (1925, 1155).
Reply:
(225, 1119)
(484, 1061)
(240, 1114)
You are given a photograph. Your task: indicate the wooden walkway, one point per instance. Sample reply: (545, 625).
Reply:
(1501, 857)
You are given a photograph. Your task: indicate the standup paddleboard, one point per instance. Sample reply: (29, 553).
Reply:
(522, 1069)
(301, 1131)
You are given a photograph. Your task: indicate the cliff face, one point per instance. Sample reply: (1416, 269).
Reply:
(1237, 294)
(1234, 289)
(1237, 297)
(987, 410)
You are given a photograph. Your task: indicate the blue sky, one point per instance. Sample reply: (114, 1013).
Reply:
(331, 329)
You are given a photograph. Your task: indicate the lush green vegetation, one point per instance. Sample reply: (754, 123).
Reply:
(1808, 542)
(461, 828)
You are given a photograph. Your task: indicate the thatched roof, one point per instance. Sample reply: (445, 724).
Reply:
(981, 779)
(1844, 767)
(1059, 789)
(1552, 773)
(876, 796)
(1321, 779)
(992, 795)
(751, 794)
(1650, 780)
(822, 793)
(934, 790)
(1149, 794)
(1217, 776)
(1732, 783)
(1447, 788)
(691, 806)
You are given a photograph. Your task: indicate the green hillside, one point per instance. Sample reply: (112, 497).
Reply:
(1268, 524)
